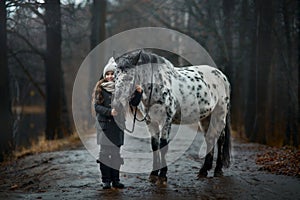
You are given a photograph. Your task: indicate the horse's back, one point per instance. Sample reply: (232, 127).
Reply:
(214, 77)
(210, 76)
(200, 89)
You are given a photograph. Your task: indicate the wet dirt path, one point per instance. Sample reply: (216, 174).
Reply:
(74, 174)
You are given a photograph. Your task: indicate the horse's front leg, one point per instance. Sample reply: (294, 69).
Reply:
(154, 131)
(164, 140)
(162, 178)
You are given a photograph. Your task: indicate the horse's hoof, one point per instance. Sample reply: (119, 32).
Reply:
(202, 174)
(161, 181)
(218, 173)
(153, 178)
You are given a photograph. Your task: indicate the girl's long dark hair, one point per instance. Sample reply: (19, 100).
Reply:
(97, 97)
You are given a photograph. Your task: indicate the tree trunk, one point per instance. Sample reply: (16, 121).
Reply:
(228, 10)
(296, 60)
(229, 65)
(264, 54)
(291, 137)
(250, 118)
(53, 70)
(98, 22)
(98, 33)
(241, 65)
(6, 135)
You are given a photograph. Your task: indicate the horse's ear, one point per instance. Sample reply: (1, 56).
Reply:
(140, 52)
(136, 58)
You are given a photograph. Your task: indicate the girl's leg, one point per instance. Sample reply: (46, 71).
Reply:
(104, 157)
(117, 161)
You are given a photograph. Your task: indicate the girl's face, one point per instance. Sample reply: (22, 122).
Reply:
(109, 76)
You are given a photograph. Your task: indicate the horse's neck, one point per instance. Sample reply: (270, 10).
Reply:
(156, 77)
(170, 67)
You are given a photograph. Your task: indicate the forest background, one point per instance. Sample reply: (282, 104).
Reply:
(43, 43)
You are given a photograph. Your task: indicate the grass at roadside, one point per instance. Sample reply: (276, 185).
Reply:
(44, 145)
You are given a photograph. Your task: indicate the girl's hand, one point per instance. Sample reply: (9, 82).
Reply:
(114, 112)
(138, 88)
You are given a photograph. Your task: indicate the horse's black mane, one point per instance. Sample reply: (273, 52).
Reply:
(136, 58)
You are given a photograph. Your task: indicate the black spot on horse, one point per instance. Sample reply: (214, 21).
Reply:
(197, 79)
(201, 73)
(183, 79)
(160, 76)
(181, 91)
(216, 72)
(190, 70)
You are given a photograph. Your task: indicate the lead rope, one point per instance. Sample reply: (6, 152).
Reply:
(134, 116)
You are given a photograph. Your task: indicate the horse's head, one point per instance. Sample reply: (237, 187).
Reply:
(137, 67)
(125, 78)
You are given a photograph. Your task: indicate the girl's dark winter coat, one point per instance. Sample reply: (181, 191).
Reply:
(112, 133)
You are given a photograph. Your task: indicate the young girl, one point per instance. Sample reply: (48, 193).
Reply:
(110, 136)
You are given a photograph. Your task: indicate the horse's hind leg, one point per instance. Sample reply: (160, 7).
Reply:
(203, 126)
(216, 131)
(218, 170)
(223, 159)
(207, 164)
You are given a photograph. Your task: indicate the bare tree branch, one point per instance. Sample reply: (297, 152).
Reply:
(30, 77)
(34, 49)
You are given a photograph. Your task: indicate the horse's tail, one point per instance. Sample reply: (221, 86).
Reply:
(227, 142)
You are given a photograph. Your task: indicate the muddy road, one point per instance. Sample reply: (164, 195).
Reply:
(74, 174)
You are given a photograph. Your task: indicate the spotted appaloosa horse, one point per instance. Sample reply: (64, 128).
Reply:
(183, 95)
